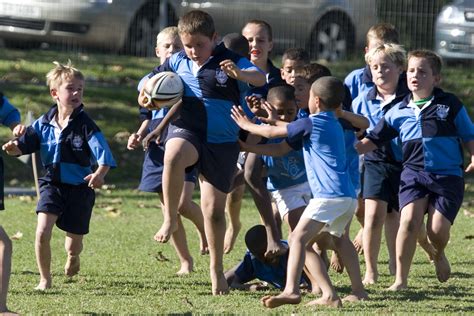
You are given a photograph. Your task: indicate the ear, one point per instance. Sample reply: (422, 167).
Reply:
(157, 52)
(437, 79)
(54, 93)
(271, 46)
(214, 37)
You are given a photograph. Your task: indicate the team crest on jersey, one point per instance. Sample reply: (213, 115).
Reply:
(221, 77)
(77, 142)
(442, 111)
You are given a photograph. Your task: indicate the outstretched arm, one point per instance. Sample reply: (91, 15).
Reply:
(273, 149)
(470, 147)
(267, 131)
(358, 121)
(11, 148)
(252, 76)
(169, 117)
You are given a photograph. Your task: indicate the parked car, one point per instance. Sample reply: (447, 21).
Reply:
(454, 31)
(329, 29)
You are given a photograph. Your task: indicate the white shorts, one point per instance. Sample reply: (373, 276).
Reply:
(336, 213)
(292, 198)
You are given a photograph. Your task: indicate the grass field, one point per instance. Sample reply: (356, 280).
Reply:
(124, 271)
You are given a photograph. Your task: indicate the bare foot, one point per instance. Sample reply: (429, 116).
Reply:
(281, 299)
(230, 237)
(164, 234)
(219, 284)
(6, 312)
(358, 242)
(443, 269)
(275, 249)
(186, 268)
(397, 287)
(73, 265)
(336, 262)
(316, 290)
(356, 297)
(44, 284)
(369, 279)
(331, 302)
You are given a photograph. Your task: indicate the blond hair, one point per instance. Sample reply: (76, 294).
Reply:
(394, 52)
(170, 31)
(56, 76)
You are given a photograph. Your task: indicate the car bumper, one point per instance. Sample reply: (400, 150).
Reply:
(454, 42)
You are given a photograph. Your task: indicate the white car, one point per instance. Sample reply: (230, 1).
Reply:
(328, 29)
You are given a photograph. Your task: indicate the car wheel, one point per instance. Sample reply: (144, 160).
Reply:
(141, 40)
(333, 38)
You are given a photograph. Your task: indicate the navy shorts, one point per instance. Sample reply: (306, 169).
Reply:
(71, 203)
(382, 182)
(445, 192)
(152, 170)
(217, 161)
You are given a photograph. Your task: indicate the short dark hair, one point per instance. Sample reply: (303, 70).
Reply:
(281, 92)
(237, 43)
(312, 72)
(196, 22)
(434, 60)
(256, 240)
(295, 54)
(264, 24)
(330, 91)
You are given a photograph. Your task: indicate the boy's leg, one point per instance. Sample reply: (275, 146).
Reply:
(213, 208)
(261, 197)
(44, 229)
(179, 154)
(190, 210)
(392, 222)
(73, 245)
(180, 243)
(425, 243)
(359, 214)
(411, 219)
(233, 205)
(347, 252)
(438, 229)
(305, 231)
(375, 213)
(5, 268)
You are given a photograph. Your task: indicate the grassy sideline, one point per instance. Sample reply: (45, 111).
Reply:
(124, 271)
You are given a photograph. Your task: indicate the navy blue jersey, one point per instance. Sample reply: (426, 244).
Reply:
(8, 113)
(80, 147)
(209, 94)
(431, 136)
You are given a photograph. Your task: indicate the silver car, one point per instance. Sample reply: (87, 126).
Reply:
(454, 32)
(329, 29)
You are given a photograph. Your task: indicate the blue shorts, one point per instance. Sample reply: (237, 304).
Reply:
(152, 170)
(217, 162)
(445, 192)
(382, 182)
(71, 203)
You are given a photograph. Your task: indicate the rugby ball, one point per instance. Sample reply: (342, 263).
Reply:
(163, 90)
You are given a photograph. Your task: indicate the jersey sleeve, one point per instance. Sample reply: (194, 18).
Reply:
(245, 270)
(8, 113)
(382, 132)
(297, 131)
(31, 140)
(101, 150)
(464, 125)
(245, 64)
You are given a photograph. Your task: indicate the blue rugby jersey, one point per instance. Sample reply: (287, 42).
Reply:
(8, 113)
(209, 95)
(368, 105)
(431, 139)
(81, 146)
(324, 154)
(359, 80)
(285, 171)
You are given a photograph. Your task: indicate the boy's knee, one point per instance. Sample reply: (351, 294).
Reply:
(409, 226)
(43, 235)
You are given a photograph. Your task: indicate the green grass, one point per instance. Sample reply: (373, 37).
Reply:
(122, 272)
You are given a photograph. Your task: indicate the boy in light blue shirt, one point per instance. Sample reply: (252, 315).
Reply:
(334, 199)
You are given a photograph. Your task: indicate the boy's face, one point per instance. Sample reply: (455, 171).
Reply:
(420, 78)
(167, 46)
(259, 42)
(302, 88)
(288, 70)
(198, 47)
(69, 93)
(286, 110)
(385, 72)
